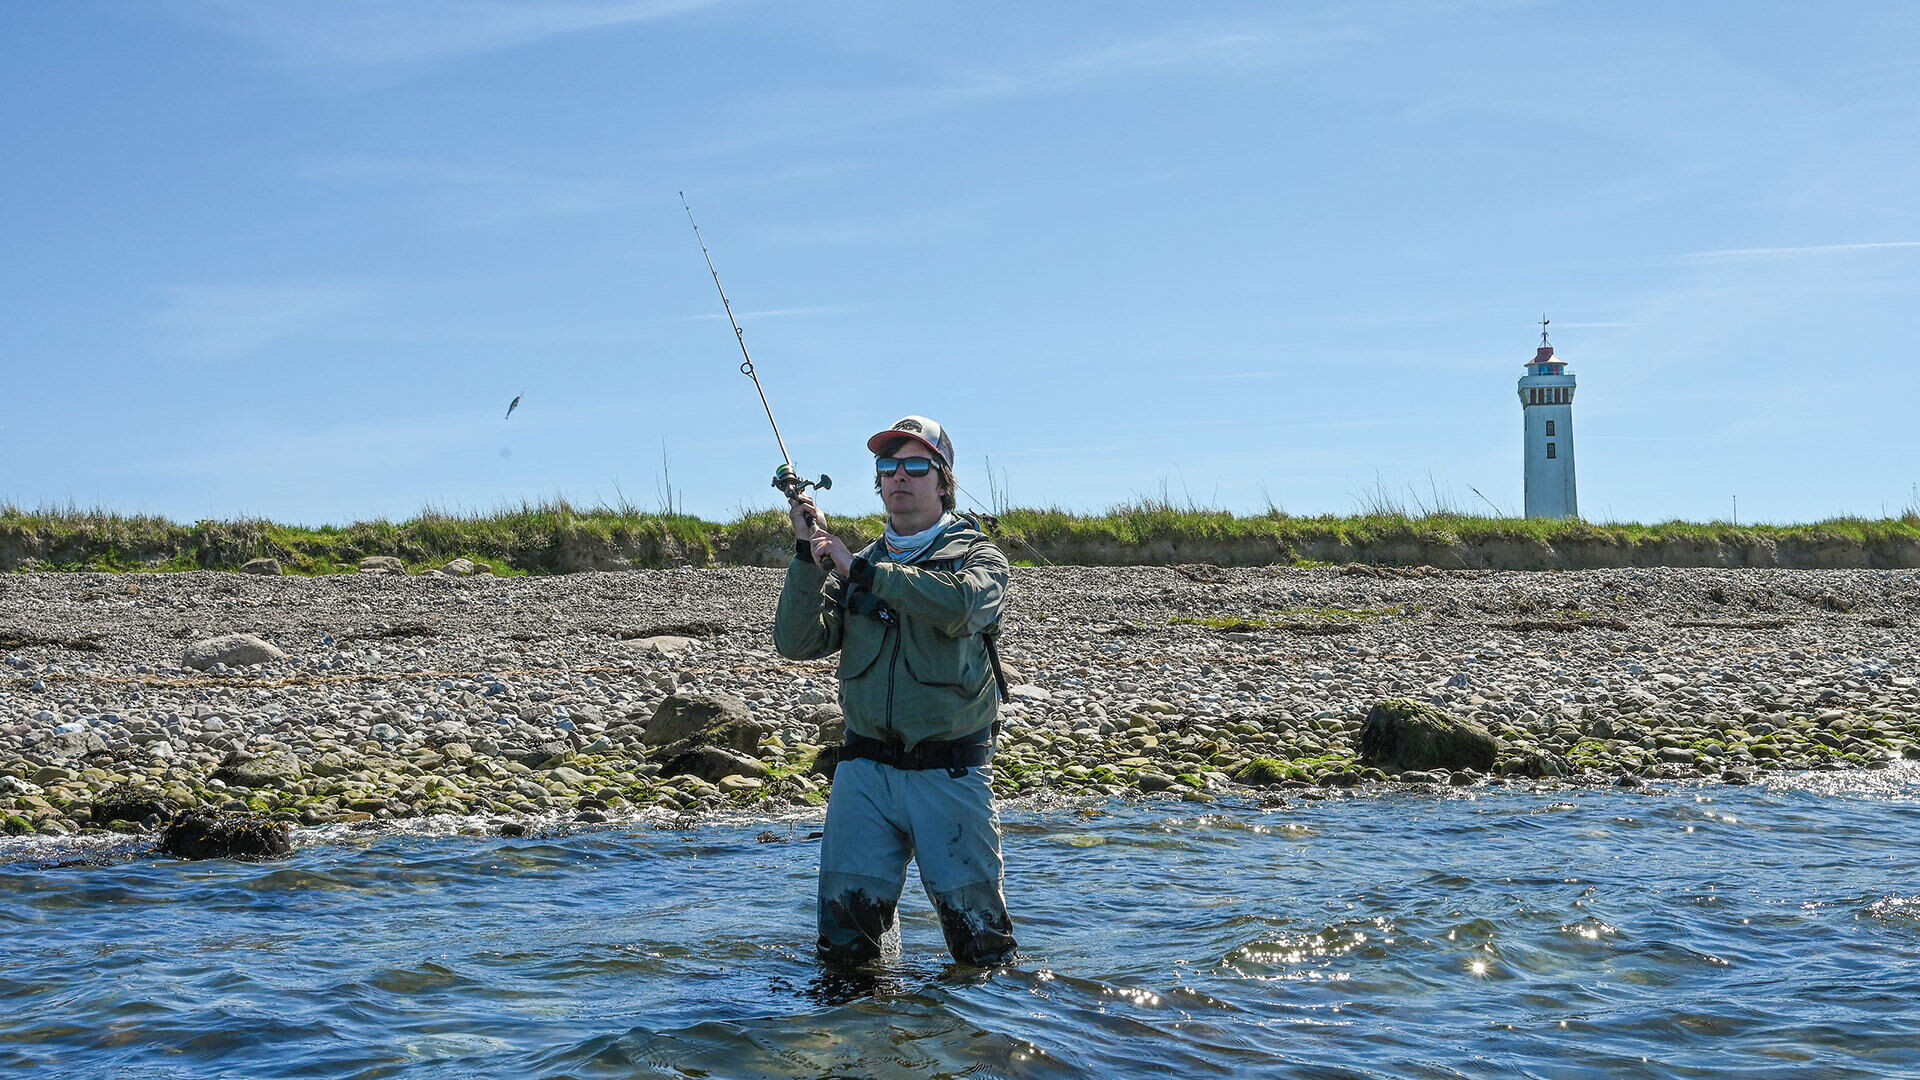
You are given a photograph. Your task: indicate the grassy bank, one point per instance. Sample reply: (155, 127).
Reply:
(555, 537)
(1156, 532)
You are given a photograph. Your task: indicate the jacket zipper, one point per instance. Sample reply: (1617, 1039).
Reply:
(893, 664)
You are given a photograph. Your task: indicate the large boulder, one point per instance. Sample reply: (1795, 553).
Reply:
(226, 834)
(683, 720)
(1399, 735)
(273, 770)
(383, 564)
(713, 764)
(233, 650)
(269, 567)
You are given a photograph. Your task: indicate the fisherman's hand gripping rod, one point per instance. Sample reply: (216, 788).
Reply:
(786, 478)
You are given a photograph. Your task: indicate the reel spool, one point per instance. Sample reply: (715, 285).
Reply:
(791, 483)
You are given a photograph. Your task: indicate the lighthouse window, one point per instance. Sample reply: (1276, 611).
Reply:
(1549, 427)
(1550, 452)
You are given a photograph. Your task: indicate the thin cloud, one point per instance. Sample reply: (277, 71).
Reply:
(1315, 420)
(381, 33)
(213, 323)
(1734, 254)
(1237, 376)
(480, 194)
(1084, 448)
(1206, 49)
(1211, 49)
(1658, 439)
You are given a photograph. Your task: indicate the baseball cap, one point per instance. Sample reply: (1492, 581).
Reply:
(927, 433)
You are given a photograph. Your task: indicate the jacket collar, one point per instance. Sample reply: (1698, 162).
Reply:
(952, 544)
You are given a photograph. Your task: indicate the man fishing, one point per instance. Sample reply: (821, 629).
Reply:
(912, 617)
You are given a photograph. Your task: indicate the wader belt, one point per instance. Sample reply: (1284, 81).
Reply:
(954, 755)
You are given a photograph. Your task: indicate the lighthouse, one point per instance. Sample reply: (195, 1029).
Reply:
(1546, 405)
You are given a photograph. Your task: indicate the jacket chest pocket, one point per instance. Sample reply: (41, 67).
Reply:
(860, 644)
(934, 659)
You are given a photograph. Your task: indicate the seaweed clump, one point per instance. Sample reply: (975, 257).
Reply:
(203, 833)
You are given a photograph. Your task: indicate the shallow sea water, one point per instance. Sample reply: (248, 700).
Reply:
(1678, 931)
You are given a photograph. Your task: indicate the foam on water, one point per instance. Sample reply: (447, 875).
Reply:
(1661, 932)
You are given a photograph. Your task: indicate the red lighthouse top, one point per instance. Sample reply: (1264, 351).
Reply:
(1544, 362)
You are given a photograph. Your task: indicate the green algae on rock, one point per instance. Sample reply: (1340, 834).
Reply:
(1402, 734)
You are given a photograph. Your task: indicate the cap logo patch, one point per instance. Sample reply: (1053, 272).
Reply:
(907, 425)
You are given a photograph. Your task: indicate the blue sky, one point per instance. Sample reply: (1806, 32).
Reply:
(293, 259)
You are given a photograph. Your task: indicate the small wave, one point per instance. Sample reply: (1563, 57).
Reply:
(1898, 782)
(1901, 909)
(55, 852)
(1313, 954)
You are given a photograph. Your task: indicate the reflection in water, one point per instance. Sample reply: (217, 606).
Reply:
(1661, 932)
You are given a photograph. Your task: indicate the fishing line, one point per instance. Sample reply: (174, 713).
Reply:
(785, 478)
(992, 523)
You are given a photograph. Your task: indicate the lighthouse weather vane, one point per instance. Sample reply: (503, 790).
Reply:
(1543, 330)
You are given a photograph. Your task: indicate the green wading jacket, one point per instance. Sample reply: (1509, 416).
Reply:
(926, 677)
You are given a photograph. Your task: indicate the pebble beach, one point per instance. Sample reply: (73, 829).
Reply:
(516, 703)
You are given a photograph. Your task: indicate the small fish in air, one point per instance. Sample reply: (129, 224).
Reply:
(512, 405)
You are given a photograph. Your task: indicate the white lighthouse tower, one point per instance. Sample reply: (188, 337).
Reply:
(1546, 403)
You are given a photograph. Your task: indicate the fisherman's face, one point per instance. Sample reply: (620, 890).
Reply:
(911, 500)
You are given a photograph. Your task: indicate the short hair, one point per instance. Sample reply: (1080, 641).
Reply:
(948, 501)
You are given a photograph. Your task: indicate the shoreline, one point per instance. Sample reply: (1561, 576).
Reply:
(535, 698)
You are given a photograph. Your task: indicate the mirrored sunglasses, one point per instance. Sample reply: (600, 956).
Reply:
(915, 466)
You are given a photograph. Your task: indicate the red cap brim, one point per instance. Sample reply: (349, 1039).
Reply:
(878, 444)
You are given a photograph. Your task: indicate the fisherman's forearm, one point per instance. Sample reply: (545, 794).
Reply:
(958, 603)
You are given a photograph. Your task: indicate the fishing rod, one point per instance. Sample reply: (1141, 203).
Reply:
(786, 478)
